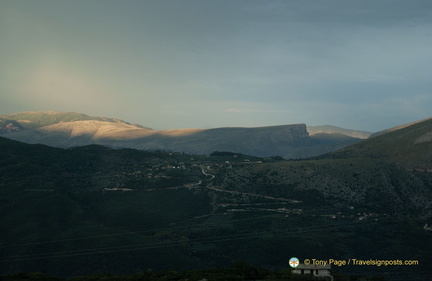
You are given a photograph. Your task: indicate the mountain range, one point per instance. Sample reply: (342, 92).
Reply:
(68, 129)
(92, 209)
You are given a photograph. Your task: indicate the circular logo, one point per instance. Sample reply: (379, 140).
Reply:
(294, 262)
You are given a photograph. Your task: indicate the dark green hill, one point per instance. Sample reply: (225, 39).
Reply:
(70, 212)
(397, 128)
(409, 147)
(61, 210)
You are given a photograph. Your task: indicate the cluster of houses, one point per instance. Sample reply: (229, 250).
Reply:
(318, 272)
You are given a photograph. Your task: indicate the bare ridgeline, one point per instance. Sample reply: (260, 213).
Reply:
(70, 129)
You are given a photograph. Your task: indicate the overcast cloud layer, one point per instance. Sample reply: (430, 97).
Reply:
(182, 63)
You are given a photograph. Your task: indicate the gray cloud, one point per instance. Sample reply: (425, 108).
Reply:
(341, 62)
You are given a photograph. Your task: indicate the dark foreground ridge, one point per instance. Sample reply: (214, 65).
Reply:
(236, 272)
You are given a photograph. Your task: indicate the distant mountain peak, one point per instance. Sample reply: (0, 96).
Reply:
(37, 119)
(329, 129)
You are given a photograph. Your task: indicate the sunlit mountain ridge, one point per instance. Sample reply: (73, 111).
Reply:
(69, 129)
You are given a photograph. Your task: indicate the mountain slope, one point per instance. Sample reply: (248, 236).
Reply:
(410, 147)
(33, 120)
(327, 129)
(79, 133)
(113, 210)
(265, 141)
(73, 129)
(397, 128)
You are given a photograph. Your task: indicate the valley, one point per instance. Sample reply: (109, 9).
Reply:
(76, 211)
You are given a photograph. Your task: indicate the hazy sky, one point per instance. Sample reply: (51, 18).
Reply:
(211, 63)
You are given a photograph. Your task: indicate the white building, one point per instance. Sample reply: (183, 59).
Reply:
(319, 272)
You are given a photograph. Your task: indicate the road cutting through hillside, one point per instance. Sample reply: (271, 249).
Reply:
(246, 193)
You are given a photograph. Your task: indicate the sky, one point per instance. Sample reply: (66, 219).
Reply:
(169, 64)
